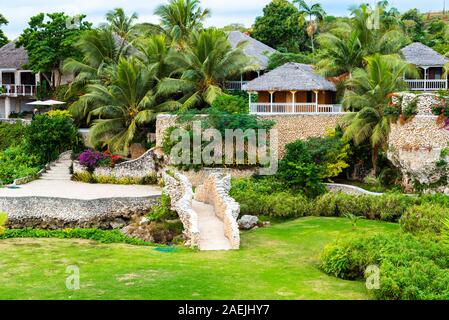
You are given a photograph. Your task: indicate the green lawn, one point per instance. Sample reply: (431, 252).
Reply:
(279, 262)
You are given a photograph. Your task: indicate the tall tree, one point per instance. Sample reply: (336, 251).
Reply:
(204, 66)
(51, 41)
(3, 38)
(180, 18)
(413, 24)
(315, 13)
(281, 27)
(100, 53)
(121, 24)
(125, 106)
(369, 94)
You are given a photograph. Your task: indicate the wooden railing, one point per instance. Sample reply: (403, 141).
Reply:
(234, 85)
(426, 85)
(258, 108)
(15, 90)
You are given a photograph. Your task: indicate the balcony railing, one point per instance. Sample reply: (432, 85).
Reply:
(234, 85)
(16, 90)
(284, 108)
(426, 85)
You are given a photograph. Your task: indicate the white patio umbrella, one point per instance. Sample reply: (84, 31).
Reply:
(37, 103)
(52, 103)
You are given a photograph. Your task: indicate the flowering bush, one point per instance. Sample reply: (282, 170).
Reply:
(442, 111)
(91, 159)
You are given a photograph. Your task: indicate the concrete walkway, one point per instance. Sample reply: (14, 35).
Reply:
(211, 228)
(56, 183)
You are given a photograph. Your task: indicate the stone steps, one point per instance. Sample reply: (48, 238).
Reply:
(60, 170)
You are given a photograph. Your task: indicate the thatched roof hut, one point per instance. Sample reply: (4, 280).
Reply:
(12, 57)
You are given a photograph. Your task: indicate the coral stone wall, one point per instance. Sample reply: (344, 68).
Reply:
(415, 146)
(178, 187)
(59, 213)
(290, 127)
(215, 191)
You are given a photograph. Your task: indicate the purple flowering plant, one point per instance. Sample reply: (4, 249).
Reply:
(91, 159)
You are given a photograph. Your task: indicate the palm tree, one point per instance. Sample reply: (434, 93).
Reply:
(369, 94)
(121, 24)
(204, 66)
(314, 11)
(342, 54)
(154, 54)
(180, 17)
(126, 105)
(100, 53)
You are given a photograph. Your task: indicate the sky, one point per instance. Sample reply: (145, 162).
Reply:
(224, 12)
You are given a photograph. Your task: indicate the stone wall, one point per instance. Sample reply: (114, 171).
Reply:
(147, 165)
(178, 187)
(291, 127)
(198, 177)
(60, 213)
(215, 191)
(415, 146)
(348, 189)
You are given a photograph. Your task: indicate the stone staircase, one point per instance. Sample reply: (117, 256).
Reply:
(59, 170)
(212, 236)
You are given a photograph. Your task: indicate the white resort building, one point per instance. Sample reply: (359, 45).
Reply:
(257, 51)
(431, 64)
(18, 85)
(292, 88)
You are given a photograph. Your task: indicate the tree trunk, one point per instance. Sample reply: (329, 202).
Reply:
(374, 158)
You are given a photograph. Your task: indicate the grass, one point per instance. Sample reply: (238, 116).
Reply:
(279, 262)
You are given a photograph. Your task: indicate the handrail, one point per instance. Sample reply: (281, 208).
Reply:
(18, 90)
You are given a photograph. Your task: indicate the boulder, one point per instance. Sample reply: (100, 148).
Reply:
(248, 222)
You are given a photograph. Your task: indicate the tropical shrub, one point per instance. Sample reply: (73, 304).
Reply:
(428, 219)
(3, 220)
(231, 104)
(162, 209)
(91, 159)
(48, 136)
(411, 268)
(299, 172)
(88, 177)
(11, 134)
(16, 162)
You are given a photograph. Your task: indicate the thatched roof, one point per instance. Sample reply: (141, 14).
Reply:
(12, 57)
(423, 56)
(254, 49)
(290, 76)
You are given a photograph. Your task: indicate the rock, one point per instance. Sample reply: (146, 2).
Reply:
(248, 222)
(118, 223)
(266, 224)
(144, 221)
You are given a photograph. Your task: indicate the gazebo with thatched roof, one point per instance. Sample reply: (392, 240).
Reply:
(293, 88)
(258, 53)
(431, 64)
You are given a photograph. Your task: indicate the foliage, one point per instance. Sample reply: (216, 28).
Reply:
(161, 211)
(50, 41)
(278, 59)
(16, 162)
(88, 177)
(313, 11)
(298, 170)
(11, 134)
(101, 236)
(180, 18)
(369, 94)
(3, 38)
(3, 220)
(410, 268)
(231, 104)
(91, 159)
(121, 24)
(353, 219)
(204, 65)
(331, 153)
(427, 219)
(413, 25)
(281, 27)
(48, 136)
(130, 102)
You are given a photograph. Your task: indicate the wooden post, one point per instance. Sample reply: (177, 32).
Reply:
(316, 101)
(425, 78)
(271, 101)
(249, 98)
(293, 100)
